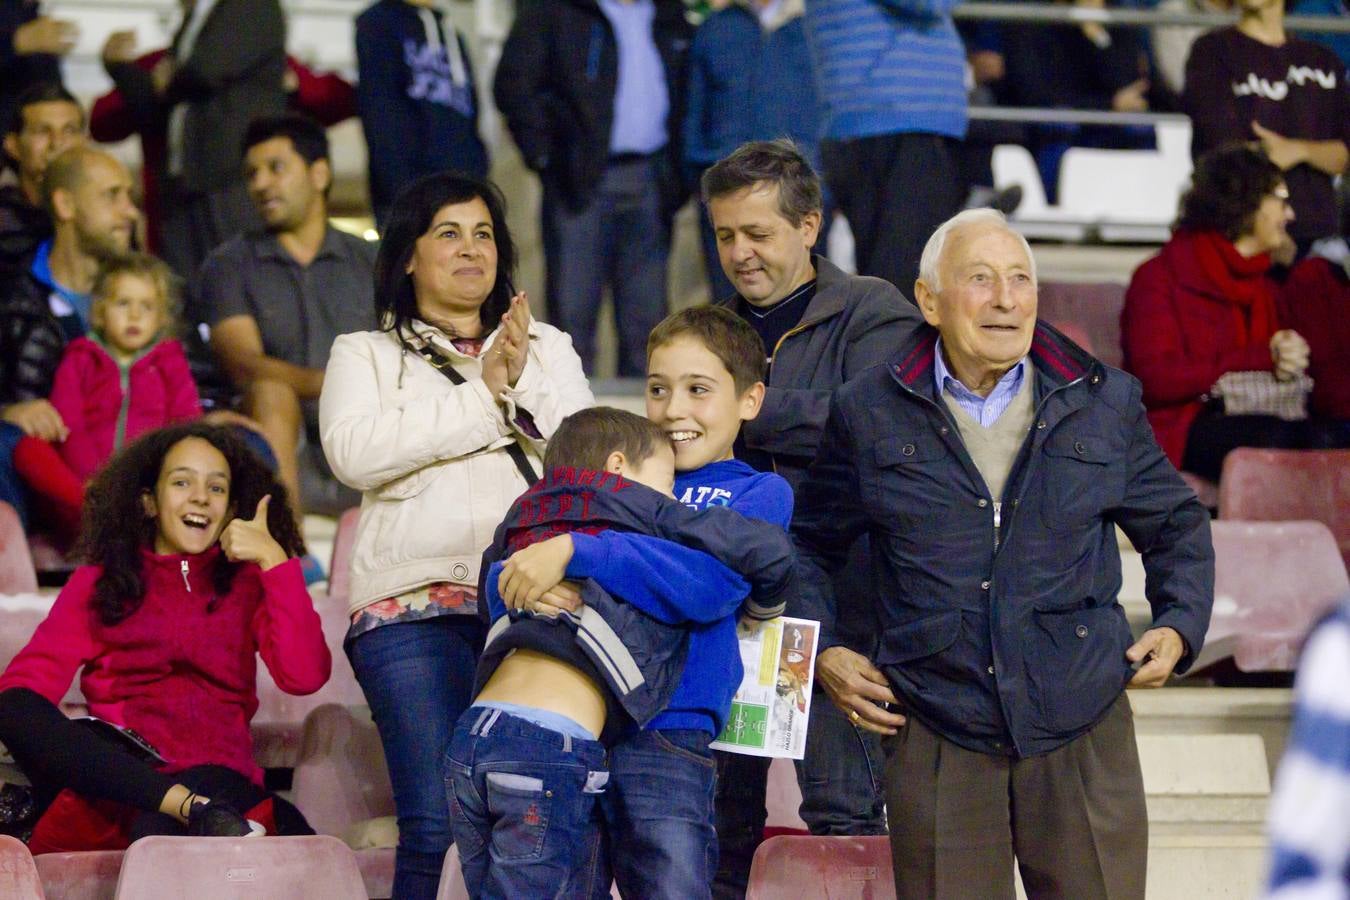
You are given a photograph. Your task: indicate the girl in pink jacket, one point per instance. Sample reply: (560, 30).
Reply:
(192, 576)
(123, 380)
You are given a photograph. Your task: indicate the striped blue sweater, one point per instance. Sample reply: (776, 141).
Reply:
(887, 66)
(1310, 811)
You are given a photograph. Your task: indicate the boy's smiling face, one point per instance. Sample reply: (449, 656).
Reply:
(693, 397)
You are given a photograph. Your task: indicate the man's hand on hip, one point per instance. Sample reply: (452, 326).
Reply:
(1158, 649)
(858, 688)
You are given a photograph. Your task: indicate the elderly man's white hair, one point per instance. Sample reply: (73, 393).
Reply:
(932, 251)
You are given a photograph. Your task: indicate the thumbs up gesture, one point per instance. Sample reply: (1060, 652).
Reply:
(248, 540)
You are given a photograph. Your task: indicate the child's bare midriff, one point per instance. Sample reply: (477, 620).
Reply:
(529, 678)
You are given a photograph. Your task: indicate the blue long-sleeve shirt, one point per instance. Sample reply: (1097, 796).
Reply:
(712, 670)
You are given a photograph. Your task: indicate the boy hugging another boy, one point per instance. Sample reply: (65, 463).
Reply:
(581, 661)
(705, 376)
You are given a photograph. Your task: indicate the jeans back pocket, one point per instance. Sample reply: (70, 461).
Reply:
(519, 808)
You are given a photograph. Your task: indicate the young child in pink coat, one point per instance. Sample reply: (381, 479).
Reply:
(126, 378)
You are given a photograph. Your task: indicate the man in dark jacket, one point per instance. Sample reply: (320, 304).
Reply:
(46, 121)
(45, 303)
(591, 90)
(225, 68)
(990, 463)
(821, 327)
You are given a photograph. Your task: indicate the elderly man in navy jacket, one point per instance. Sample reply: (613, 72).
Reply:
(990, 463)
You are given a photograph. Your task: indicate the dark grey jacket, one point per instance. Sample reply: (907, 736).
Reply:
(854, 322)
(1002, 633)
(232, 76)
(31, 338)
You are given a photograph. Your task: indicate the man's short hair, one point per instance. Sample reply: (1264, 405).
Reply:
(306, 136)
(931, 259)
(66, 172)
(42, 92)
(726, 336)
(767, 162)
(586, 438)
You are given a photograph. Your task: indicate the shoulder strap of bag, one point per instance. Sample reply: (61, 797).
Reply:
(513, 449)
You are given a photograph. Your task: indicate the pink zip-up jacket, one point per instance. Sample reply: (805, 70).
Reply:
(182, 677)
(106, 405)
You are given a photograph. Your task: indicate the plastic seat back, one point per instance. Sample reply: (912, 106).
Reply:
(18, 874)
(829, 868)
(340, 567)
(1261, 485)
(341, 777)
(84, 875)
(452, 880)
(1087, 309)
(17, 575)
(1273, 581)
(271, 868)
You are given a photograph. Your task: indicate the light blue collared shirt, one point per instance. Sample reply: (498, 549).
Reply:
(984, 410)
(641, 102)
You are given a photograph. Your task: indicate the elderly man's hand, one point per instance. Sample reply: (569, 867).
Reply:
(858, 688)
(1159, 649)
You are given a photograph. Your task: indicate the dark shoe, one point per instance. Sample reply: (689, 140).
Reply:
(217, 820)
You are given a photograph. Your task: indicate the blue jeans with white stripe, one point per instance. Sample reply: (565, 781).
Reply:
(524, 808)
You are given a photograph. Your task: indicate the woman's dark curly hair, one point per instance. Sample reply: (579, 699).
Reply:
(410, 217)
(116, 529)
(1227, 189)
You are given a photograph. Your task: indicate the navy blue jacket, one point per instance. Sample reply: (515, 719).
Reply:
(1003, 638)
(417, 120)
(749, 83)
(669, 565)
(555, 85)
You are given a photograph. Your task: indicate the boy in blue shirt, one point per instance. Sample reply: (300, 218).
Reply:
(705, 376)
(565, 665)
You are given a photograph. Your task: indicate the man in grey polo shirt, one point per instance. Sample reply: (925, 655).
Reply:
(277, 298)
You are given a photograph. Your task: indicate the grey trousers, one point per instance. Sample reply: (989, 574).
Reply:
(1074, 818)
(620, 239)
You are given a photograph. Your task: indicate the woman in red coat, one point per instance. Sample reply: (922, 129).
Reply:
(1205, 306)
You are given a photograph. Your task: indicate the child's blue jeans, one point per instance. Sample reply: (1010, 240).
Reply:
(659, 814)
(524, 808)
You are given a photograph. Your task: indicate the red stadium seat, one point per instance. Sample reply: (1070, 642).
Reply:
(340, 567)
(271, 868)
(828, 868)
(341, 778)
(1089, 310)
(18, 875)
(1273, 581)
(1206, 490)
(377, 870)
(90, 875)
(783, 800)
(452, 882)
(1279, 485)
(16, 562)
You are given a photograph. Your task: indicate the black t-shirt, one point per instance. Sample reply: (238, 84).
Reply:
(1297, 90)
(771, 323)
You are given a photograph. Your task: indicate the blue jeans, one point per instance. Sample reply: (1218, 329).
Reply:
(524, 810)
(418, 678)
(659, 815)
(12, 490)
(620, 239)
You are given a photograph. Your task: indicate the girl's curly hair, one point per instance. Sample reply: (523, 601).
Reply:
(116, 529)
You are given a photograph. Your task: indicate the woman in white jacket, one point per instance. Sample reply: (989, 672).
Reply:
(438, 418)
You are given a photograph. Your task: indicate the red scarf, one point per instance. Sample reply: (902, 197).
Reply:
(1241, 281)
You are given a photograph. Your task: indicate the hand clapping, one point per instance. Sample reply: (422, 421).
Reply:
(249, 540)
(504, 361)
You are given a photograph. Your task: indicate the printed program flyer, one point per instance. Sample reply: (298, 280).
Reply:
(771, 708)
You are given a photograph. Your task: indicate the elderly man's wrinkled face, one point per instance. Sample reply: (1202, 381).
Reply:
(986, 307)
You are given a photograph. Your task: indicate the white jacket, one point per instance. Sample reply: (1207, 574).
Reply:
(429, 456)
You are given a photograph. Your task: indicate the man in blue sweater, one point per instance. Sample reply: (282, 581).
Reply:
(892, 73)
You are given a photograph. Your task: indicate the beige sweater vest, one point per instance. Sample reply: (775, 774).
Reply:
(994, 449)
